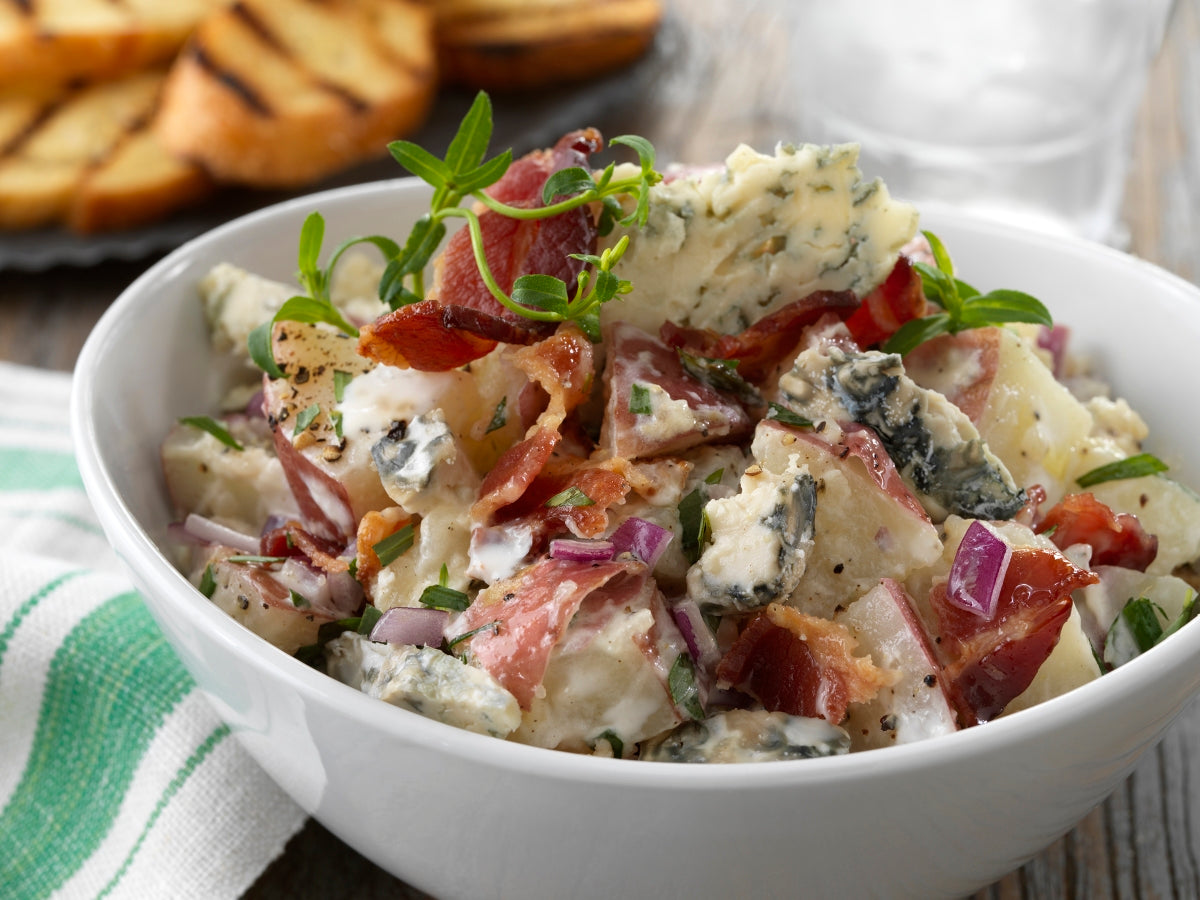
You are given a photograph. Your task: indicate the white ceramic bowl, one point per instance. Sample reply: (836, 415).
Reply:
(462, 815)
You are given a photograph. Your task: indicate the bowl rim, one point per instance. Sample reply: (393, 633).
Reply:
(141, 555)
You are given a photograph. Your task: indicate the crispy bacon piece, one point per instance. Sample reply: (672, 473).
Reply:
(564, 367)
(768, 342)
(293, 539)
(433, 337)
(516, 247)
(989, 662)
(529, 614)
(601, 485)
(1116, 539)
(512, 474)
(898, 300)
(802, 665)
(323, 501)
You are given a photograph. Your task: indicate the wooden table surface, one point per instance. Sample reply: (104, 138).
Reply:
(720, 75)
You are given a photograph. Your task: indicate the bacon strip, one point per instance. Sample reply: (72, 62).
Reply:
(802, 665)
(899, 299)
(760, 348)
(1116, 539)
(323, 501)
(529, 614)
(433, 337)
(988, 663)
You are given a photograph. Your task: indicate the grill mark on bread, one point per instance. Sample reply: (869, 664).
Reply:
(247, 95)
(13, 146)
(263, 32)
(25, 7)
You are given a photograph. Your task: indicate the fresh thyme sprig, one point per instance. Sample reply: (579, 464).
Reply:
(464, 173)
(963, 307)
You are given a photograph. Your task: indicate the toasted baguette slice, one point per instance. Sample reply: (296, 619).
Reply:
(139, 183)
(85, 158)
(63, 41)
(277, 93)
(521, 44)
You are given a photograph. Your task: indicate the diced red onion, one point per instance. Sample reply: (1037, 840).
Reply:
(207, 531)
(977, 573)
(345, 593)
(643, 539)
(254, 406)
(702, 644)
(1054, 339)
(309, 583)
(580, 550)
(419, 626)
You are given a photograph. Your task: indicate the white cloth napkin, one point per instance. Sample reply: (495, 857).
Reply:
(116, 778)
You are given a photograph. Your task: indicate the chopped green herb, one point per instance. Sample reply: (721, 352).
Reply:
(438, 596)
(572, 496)
(617, 745)
(394, 545)
(306, 417)
(213, 427)
(715, 476)
(1133, 467)
(681, 683)
(298, 600)
(336, 416)
(639, 400)
(781, 413)
(693, 522)
(340, 380)
(208, 583)
(252, 558)
(1140, 626)
(499, 416)
(720, 375)
(963, 307)
(467, 635)
(370, 615)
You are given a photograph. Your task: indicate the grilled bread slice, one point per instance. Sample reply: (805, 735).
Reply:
(64, 41)
(523, 44)
(86, 159)
(277, 93)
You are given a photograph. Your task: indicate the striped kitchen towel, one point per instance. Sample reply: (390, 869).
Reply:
(116, 778)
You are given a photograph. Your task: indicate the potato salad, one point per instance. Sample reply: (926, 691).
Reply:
(766, 481)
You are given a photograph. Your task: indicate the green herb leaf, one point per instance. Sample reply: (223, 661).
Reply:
(499, 416)
(395, 545)
(1000, 306)
(306, 417)
(639, 400)
(567, 183)
(208, 582)
(613, 741)
(259, 345)
(1133, 467)
(437, 596)
(420, 162)
(541, 292)
(298, 600)
(256, 559)
(641, 146)
(572, 496)
(485, 175)
(340, 380)
(470, 143)
(781, 413)
(312, 235)
(721, 375)
(915, 332)
(213, 427)
(309, 311)
(366, 622)
(693, 522)
(467, 635)
(1189, 611)
(681, 683)
(715, 476)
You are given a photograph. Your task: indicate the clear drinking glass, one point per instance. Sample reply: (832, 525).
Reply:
(1018, 109)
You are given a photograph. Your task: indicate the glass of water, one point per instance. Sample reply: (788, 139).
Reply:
(1017, 109)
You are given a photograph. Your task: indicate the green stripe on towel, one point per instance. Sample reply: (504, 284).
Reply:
(90, 739)
(25, 469)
